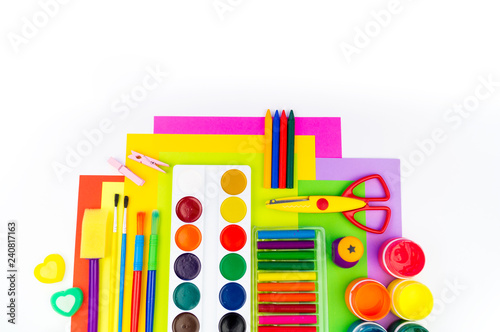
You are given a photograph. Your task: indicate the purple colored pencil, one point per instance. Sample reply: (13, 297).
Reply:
(285, 245)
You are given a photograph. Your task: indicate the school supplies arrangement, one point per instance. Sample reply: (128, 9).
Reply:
(349, 204)
(290, 280)
(231, 271)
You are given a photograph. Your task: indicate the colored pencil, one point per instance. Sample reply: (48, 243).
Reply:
(283, 146)
(122, 264)
(276, 151)
(136, 284)
(151, 287)
(268, 149)
(114, 269)
(290, 150)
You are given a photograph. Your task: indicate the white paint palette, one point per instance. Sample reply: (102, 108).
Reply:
(209, 284)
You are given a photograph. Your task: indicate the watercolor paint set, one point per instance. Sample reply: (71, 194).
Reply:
(210, 278)
(289, 280)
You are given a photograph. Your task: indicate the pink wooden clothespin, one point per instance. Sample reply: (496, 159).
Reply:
(148, 161)
(125, 171)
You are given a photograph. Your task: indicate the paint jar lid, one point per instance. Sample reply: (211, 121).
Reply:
(347, 251)
(368, 299)
(401, 258)
(405, 326)
(362, 326)
(410, 299)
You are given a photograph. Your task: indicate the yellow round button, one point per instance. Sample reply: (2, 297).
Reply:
(233, 209)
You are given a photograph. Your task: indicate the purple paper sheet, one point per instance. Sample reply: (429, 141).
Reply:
(347, 169)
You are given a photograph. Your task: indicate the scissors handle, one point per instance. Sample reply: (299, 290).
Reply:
(350, 216)
(349, 192)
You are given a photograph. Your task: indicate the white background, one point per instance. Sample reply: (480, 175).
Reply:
(395, 92)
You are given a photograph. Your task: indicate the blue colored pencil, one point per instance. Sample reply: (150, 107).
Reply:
(276, 151)
(122, 264)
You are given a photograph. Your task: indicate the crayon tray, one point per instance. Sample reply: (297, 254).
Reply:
(289, 282)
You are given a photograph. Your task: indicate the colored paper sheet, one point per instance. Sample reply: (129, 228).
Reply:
(326, 129)
(89, 197)
(196, 149)
(334, 175)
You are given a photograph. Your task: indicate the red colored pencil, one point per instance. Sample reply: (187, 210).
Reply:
(283, 147)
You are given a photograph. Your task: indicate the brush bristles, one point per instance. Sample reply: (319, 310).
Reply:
(117, 199)
(140, 222)
(154, 222)
(125, 202)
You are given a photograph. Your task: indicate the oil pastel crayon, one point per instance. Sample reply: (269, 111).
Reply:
(286, 287)
(286, 297)
(290, 161)
(292, 255)
(288, 319)
(285, 266)
(268, 149)
(287, 308)
(285, 245)
(290, 276)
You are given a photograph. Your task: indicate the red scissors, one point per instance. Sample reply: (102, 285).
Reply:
(349, 204)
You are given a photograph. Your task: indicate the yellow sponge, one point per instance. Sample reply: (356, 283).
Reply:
(94, 232)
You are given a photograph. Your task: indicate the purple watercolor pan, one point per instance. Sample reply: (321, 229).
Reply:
(285, 245)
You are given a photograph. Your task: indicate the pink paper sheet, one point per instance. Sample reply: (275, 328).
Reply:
(326, 130)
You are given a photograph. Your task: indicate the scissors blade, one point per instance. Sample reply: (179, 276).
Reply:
(283, 201)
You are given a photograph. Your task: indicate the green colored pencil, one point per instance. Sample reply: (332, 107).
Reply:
(290, 150)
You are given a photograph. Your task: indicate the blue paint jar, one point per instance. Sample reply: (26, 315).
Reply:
(406, 326)
(362, 326)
